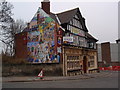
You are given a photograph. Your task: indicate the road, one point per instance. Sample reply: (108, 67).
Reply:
(110, 81)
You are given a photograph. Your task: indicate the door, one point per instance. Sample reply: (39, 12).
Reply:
(85, 64)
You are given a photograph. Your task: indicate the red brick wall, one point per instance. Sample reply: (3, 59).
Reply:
(21, 45)
(58, 34)
(46, 7)
(105, 49)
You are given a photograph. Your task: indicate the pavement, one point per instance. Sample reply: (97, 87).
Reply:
(55, 78)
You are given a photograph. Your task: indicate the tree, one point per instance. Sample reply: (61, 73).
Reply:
(16, 27)
(5, 22)
(9, 27)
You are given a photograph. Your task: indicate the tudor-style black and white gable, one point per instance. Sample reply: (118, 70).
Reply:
(74, 24)
(75, 30)
(75, 21)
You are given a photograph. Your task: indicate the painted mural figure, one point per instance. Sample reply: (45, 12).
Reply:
(41, 41)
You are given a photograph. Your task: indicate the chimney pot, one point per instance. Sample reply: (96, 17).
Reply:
(46, 1)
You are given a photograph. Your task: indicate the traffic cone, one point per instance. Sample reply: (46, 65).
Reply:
(41, 74)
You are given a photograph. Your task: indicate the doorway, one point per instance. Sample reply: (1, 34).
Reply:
(85, 64)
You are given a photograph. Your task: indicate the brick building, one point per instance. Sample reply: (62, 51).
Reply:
(108, 54)
(61, 38)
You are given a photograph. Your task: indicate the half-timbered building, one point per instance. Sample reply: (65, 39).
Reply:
(61, 38)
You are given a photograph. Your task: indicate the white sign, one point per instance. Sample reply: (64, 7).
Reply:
(68, 39)
(59, 49)
(40, 74)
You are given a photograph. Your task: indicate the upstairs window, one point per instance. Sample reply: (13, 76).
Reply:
(69, 27)
(90, 45)
(79, 24)
(82, 33)
(82, 42)
(71, 22)
(67, 34)
(76, 23)
(76, 17)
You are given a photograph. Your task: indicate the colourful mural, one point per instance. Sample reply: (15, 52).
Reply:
(41, 42)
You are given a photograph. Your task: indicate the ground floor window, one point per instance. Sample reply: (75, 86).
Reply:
(91, 61)
(73, 62)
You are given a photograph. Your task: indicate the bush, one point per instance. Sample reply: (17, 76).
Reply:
(12, 60)
(31, 70)
(12, 66)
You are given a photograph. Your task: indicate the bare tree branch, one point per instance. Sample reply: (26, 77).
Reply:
(9, 27)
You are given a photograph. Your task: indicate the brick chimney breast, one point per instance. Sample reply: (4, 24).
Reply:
(45, 5)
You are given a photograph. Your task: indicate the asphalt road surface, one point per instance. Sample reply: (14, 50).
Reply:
(110, 81)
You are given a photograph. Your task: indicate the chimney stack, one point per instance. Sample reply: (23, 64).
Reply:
(45, 5)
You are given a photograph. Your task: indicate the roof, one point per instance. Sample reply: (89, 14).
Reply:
(53, 16)
(118, 39)
(66, 16)
(63, 17)
(89, 36)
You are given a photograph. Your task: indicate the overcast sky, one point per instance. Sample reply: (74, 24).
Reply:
(101, 15)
